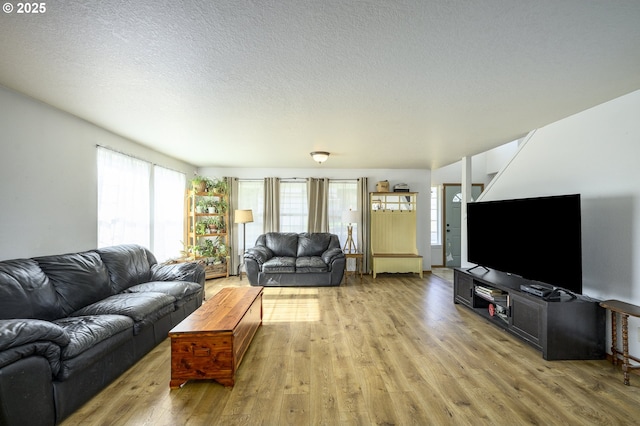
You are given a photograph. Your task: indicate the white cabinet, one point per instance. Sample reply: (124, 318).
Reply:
(393, 233)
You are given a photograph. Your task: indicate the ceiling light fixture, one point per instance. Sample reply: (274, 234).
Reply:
(320, 156)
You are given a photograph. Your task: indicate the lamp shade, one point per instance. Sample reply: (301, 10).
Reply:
(350, 216)
(243, 216)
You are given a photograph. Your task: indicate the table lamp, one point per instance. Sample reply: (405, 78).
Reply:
(350, 216)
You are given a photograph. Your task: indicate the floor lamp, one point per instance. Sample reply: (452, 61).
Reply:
(350, 216)
(243, 217)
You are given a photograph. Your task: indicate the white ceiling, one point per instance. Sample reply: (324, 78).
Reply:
(379, 84)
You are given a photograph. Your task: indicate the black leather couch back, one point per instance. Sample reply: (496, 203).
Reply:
(313, 244)
(128, 265)
(79, 279)
(53, 287)
(282, 243)
(26, 292)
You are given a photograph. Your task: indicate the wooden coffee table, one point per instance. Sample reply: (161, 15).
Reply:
(211, 342)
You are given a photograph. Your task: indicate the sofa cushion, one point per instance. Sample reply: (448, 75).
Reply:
(313, 244)
(26, 292)
(79, 278)
(282, 243)
(87, 331)
(142, 308)
(180, 290)
(280, 264)
(311, 264)
(128, 265)
(92, 338)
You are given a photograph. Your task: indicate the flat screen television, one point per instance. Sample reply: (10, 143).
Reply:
(539, 239)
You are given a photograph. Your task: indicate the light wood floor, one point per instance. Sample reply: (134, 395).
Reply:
(390, 351)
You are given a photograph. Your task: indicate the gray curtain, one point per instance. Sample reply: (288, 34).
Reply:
(363, 208)
(232, 227)
(318, 195)
(271, 218)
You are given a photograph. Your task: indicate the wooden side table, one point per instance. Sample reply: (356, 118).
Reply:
(624, 310)
(358, 257)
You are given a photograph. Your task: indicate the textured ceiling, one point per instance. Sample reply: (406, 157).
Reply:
(379, 84)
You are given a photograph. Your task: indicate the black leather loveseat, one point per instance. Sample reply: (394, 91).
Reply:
(290, 259)
(72, 323)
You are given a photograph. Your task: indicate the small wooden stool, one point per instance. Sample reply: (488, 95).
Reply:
(624, 310)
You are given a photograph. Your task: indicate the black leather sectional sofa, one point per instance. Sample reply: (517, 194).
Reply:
(282, 259)
(70, 324)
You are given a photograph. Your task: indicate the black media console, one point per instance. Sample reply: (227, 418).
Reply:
(563, 327)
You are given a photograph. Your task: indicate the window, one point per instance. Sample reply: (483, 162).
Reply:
(436, 234)
(123, 199)
(251, 196)
(125, 213)
(168, 213)
(343, 195)
(294, 214)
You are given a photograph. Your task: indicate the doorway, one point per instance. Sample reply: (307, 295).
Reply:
(452, 214)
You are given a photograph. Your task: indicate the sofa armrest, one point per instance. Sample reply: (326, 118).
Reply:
(188, 271)
(258, 253)
(18, 332)
(332, 254)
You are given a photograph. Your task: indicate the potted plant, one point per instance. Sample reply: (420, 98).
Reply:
(221, 205)
(211, 224)
(201, 205)
(222, 252)
(195, 250)
(218, 186)
(201, 228)
(208, 249)
(208, 205)
(199, 183)
(218, 223)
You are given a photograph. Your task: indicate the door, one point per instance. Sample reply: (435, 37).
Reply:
(453, 221)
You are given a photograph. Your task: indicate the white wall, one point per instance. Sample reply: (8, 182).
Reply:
(484, 167)
(418, 180)
(48, 177)
(594, 153)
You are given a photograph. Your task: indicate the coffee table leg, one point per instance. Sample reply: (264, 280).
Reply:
(177, 383)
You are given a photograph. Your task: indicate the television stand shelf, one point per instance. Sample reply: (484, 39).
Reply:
(562, 329)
